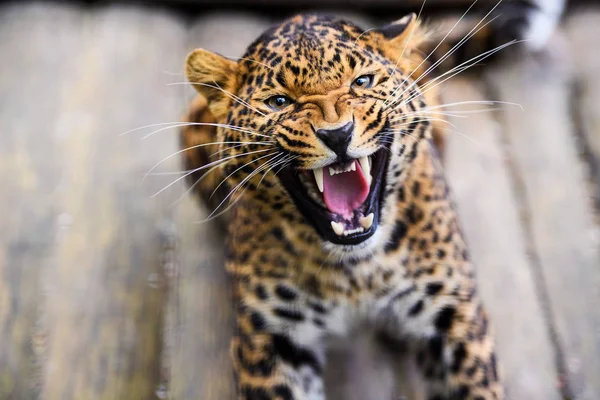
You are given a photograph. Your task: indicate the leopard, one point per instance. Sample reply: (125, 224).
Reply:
(320, 148)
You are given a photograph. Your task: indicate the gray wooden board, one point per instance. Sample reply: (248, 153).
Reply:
(488, 210)
(583, 31)
(541, 142)
(104, 287)
(201, 302)
(200, 321)
(35, 42)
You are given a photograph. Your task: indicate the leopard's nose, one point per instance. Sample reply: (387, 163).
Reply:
(337, 139)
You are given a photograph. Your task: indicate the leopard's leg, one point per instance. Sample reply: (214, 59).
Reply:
(278, 352)
(453, 345)
(275, 366)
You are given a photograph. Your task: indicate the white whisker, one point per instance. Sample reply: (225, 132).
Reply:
(229, 94)
(467, 137)
(193, 185)
(454, 48)
(150, 126)
(466, 38)
(167, 173)
(179, 124)
(281, 161)
(408, 40)
(234, 190)
(191, 148)
(241, 144)
(402, 133)
(206, 166)
(359, 36)
(251, 60)
(423, 120)
(275, 154)
(478, 102)
(465, 113)
(224, 126)
(460, 68)
(432, 51)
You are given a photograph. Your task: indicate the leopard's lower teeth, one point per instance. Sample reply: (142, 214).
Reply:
(366, 222)
(353, 231)
(338, 228)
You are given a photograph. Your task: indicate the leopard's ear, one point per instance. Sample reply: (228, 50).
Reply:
(402, 40)
(213, 76)
(401, 36)
(398, 29)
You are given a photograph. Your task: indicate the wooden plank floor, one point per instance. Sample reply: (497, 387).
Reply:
(490, 211)
(110, 292)
(558, 210)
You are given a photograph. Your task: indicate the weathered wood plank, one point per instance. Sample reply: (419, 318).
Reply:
(551, 181)
(583, 30)
(201, 302)
(227, 33)
(489, 214)
(35, 42)
(105, 289)
(200, 309)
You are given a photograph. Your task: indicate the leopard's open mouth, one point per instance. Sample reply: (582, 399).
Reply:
(341, 200)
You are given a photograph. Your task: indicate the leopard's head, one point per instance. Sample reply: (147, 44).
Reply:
(321, 114)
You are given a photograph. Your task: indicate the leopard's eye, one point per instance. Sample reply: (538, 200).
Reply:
(363, 82)
(278, 103)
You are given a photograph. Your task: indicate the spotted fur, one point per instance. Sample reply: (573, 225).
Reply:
(412, 280)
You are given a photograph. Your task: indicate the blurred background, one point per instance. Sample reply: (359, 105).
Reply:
(110, 288)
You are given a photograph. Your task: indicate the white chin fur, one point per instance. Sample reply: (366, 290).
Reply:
(361, 250)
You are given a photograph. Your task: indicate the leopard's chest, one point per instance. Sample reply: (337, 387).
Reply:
(359, 295)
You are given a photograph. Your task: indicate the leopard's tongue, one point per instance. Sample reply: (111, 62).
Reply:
(345, 192)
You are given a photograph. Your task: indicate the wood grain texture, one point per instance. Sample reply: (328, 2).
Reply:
(488, 210)
(105, 290)
(200, 320)
(227, 33)
(35, 42)
(551, 180)
(201, 303)
(583, 29)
